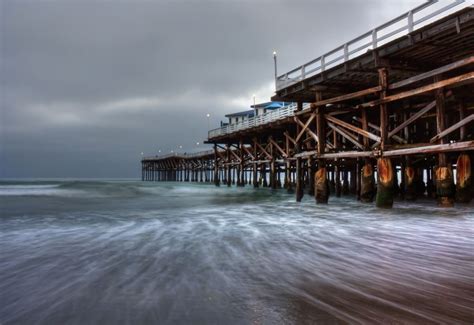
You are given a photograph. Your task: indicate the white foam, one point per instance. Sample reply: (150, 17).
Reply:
(33, 190)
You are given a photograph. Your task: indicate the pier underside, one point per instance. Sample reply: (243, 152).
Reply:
(395, 121)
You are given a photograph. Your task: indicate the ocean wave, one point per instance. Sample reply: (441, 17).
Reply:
(35, 190)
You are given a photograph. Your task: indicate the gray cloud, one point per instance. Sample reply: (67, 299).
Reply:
(88, 85)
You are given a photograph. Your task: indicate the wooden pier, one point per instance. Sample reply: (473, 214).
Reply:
(388, 114)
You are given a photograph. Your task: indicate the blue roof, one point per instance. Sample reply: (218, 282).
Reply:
(269, 105)
(275, 105)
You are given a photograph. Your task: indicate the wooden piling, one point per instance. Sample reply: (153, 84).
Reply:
(367, 183)
(321, 185)
(464, 186)
(385, 180)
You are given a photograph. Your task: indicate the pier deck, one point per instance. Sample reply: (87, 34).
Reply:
(396, 104)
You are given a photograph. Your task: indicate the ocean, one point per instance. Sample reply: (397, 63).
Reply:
(129, 252)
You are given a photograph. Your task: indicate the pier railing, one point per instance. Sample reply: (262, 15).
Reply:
(251, 122)
(184, 155)
(397, 27)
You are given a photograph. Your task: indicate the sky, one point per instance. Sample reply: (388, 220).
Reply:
(87, 86)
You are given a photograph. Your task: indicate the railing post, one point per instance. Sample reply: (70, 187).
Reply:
(323, 63)
(374, 39)
(303, 72)
(346, 52)
(410, 21)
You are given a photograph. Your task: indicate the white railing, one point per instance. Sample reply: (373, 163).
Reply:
(251, 122)
(397, 27)
(181, 155)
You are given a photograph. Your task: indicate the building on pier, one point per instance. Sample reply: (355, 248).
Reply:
(388, 113)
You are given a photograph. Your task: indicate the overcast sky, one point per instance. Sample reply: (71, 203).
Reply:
(86, 86)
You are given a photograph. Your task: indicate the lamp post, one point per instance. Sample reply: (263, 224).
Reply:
(208, 125)
(275, 64)
(254, 106)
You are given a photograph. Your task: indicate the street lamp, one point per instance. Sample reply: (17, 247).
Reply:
(254, 106)
(197, 143)
(208, 125)
(275, 63)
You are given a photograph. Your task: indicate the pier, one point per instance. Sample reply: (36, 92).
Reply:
(388, 114)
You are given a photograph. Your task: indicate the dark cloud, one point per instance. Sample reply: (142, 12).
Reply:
(88, 85)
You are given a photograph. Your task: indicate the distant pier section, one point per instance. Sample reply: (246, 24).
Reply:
(387, 114)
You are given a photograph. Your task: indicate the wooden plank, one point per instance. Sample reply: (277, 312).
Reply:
(437, 148)
(348, 154)
(336, 155)
(467, 77)
(341, 98)
(452, 128)
(432, 73)
(352, 128)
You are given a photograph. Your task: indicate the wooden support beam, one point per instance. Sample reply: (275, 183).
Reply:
(229, 169)
(289, 138)
(429, 149)
(464, 78)
(262, 149)
(235, 155)
(341, 98)
(283, 153)
(377, 128)
(383, 109)
(304, 126)
(462, 114)
(441, 122)
(308, 130)
(319, 179)
(439, 148)
(413, 118)
(365, 127)
(254, 167)
(346, 135)
(320, 127)
(433, 73)
(247, 150)
(216, 167)
(221, 147)
(352, 128)
(452, 128)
